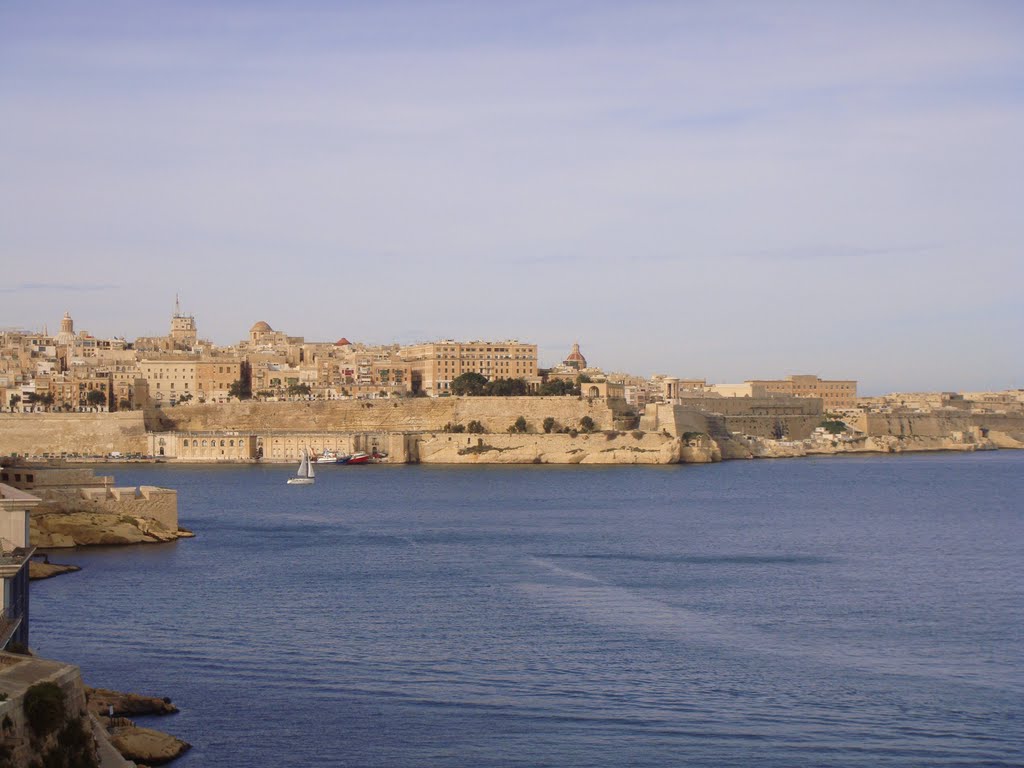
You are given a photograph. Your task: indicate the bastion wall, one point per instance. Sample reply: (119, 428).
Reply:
(93, 434)
(595, 448)
(418, 414)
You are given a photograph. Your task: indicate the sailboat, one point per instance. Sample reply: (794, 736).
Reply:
(306, 474)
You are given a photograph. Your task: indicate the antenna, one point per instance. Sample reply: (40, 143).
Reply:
(177, 306)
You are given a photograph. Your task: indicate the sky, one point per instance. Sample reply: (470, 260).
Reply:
(725, 190)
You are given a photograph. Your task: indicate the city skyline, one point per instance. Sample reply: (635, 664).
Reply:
(729, 192)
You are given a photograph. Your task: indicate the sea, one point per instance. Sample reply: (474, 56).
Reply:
(833, 611)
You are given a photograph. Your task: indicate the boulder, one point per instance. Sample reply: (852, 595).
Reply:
(144, 745)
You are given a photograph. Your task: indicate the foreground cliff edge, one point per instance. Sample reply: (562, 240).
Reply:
(50, 718)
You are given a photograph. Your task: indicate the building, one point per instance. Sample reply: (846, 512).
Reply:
(183, 328)
(15, 506)
(833, 393)
(575, 359)
(433, 366)
(169, 380)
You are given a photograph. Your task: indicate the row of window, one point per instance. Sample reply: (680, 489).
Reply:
(213, 443)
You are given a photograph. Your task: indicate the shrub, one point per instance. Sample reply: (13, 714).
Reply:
(637, 434)
(587, 424)
(833, 426)
(475, 427)
(548, 424)
(44, 707)
(520, 424)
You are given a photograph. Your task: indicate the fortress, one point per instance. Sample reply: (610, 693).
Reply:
(422, 429)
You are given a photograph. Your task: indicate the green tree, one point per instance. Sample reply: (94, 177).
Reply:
(833, 426)
(507, 388)
(520, 424)
(15, 399)
(475, 427)
(558, 387)
(299, 389)
(548, 424)
(587, 424)
(46, 400)
(470, 383)
(95, 398)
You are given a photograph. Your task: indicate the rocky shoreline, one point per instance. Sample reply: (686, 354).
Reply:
(54, 529)
(145, 746)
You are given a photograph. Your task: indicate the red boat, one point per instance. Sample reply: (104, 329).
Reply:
(358, 458)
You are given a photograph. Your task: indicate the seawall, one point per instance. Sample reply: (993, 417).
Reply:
(418, 414)
(91, 434)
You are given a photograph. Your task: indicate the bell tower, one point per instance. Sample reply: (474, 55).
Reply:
(183, 327)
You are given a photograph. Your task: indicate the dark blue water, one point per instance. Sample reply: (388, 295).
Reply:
(839, 611)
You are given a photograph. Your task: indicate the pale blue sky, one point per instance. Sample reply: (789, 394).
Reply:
(721, 190)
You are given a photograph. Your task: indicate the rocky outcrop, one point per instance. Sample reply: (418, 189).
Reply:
(100, 701)
(699, 449)
(143, 745)
(39, 570)
(763, 448)
(53, 529)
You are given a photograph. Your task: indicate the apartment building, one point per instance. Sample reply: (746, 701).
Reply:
(433, 366)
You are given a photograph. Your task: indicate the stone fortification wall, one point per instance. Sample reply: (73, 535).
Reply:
(677, 420)
(914, 424)
(418, 414)
(756, 406)
(17, 675)
(596, 448)
(792, 427)
(148, 502)
(33, 434)
(1010, 424)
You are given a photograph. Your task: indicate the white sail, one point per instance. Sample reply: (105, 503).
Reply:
(311, 473)
(303, 466)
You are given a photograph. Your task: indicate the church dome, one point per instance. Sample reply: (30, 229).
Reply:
(576, 358)
(261, 327)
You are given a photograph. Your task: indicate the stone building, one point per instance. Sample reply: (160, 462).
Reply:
(169, 379)
(833, 393)
(435, 365)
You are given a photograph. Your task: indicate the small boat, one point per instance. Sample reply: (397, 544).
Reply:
(330, 457)
(359, 458)
(306, 475)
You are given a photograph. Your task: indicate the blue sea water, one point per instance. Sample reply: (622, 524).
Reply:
(834, 612)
